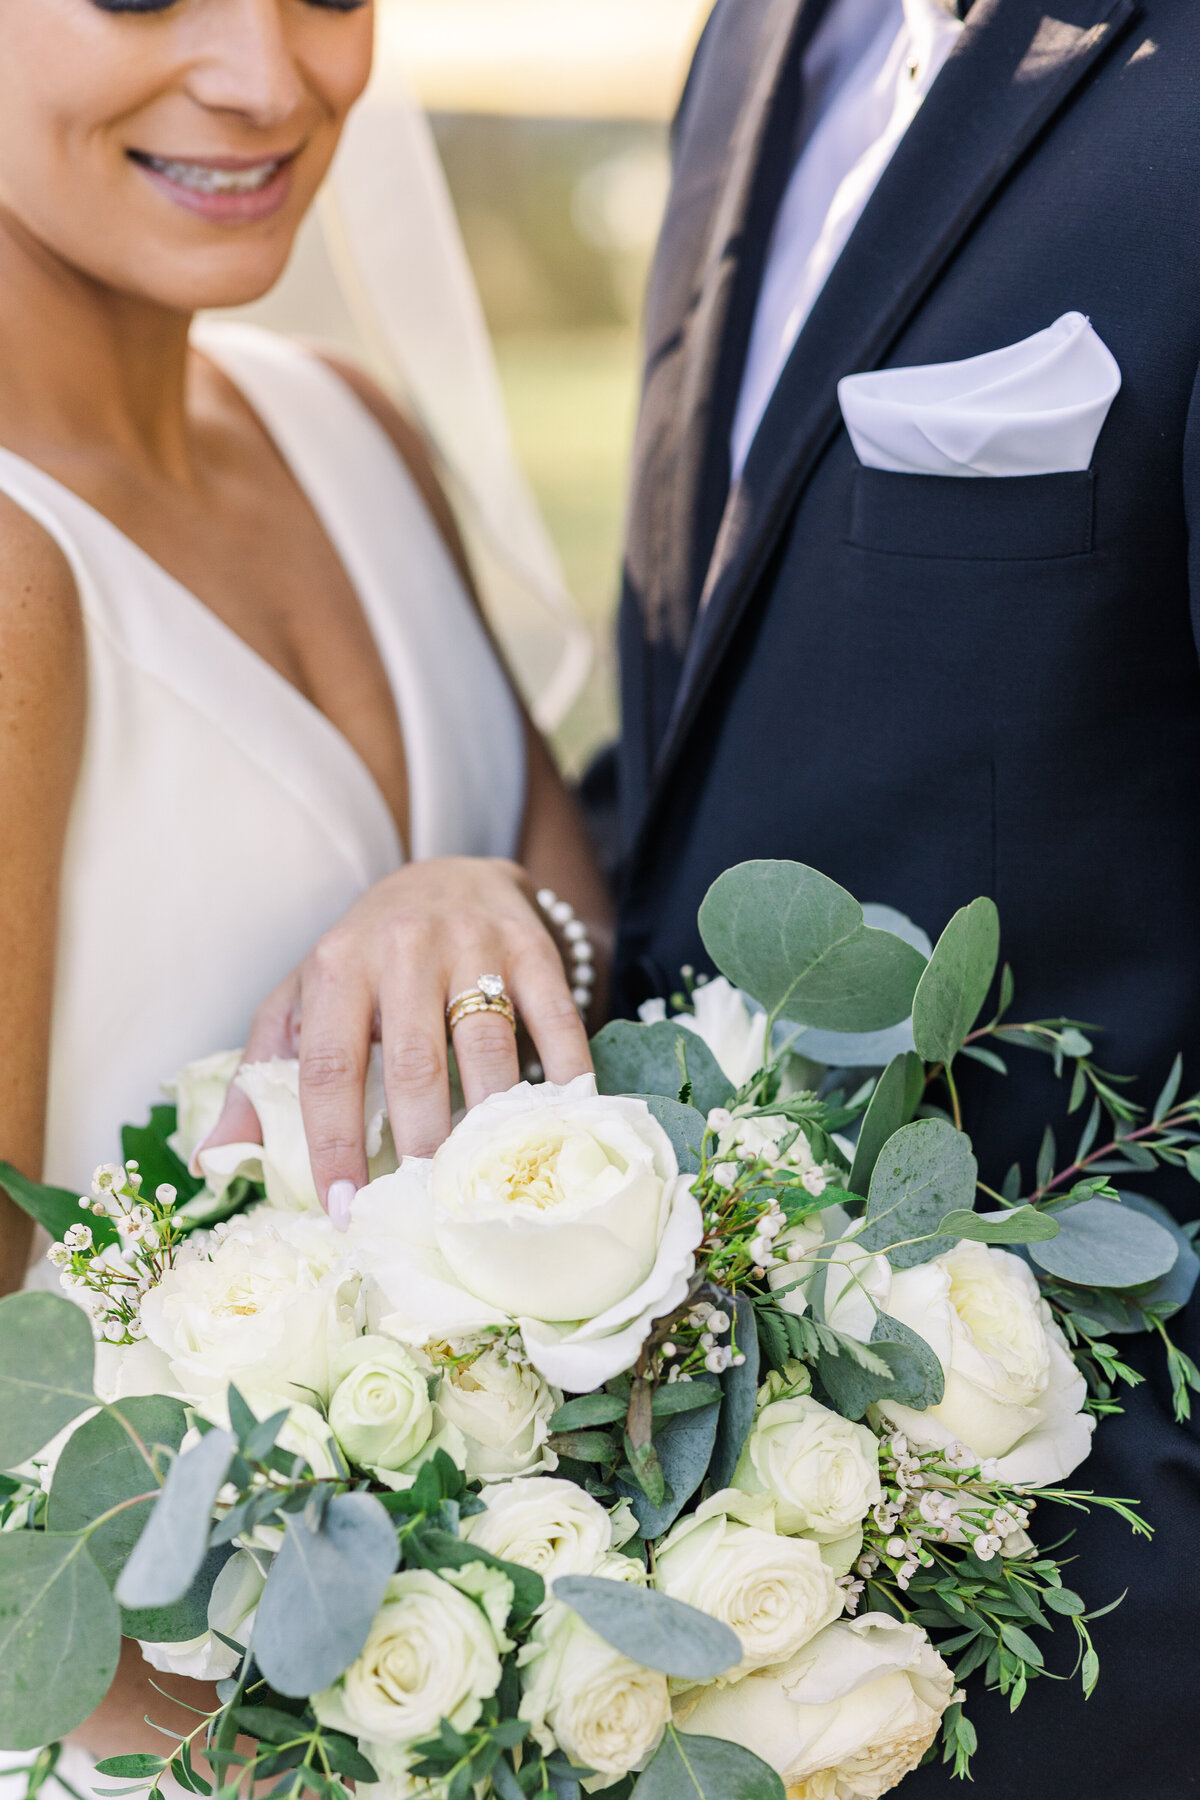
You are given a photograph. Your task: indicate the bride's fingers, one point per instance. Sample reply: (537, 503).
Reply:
(337, 1015)
(485, 1047)
(542, 996)
(416, 1077)
(271, 1034)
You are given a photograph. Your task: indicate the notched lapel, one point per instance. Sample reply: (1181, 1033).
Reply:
(1010, 72)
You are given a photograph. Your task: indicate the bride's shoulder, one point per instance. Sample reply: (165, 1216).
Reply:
(43, 660)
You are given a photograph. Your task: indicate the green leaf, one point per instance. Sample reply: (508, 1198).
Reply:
(924, 1171)
(139, 1767)
(1174, 1289)
(1169, 1090)
(102, 1465)
(157, 1163)
(683, 1446)
(911, 1374)
(681, 1397)
(896, 1098)
(955, 984)
(323, 1591)
(436, 1549)
(587, 1410)
(1024, 1225)
(651, 1628)
(739, 1387)
(797, 942)
(644, 1059)
(60, 1637)
(54, 1208)
(683, 1125)
(689, 1767)
(171, 1548)
(586, 1446)
(1101, 1244)
(1062, 1600)
(184, 1619)
(46, 1359)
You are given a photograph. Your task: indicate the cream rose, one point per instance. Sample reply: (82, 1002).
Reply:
(846, 1719)
(820, 1471)
(1013, 1391)
(379, 1410)
(547, 1525)
(802, 1262)
(231, 1608)
(432, 1653)
(552, 1206)
(503, 1409)
(775, 1592)
(265, 1304)
(199, 1092)
(603, 1709)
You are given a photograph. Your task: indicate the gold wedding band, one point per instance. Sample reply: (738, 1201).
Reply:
(488, 995)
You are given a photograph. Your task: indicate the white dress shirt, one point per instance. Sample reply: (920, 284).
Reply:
(865, 73)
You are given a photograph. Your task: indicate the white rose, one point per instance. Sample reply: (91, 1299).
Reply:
(431, 1654)
(845, 1719)
(281, 1160)
(800, 1266)
(545, 1524)
(604, 1710)
(125, 1370)
(1013, 1390)
(231, 1609)
(268, 1305)
(503, 1409)
(858, 1285)
(199, 1092)
(551, 1206)
(733, 1029)
(820, 1471)
(379, 1410)
(775, 1592)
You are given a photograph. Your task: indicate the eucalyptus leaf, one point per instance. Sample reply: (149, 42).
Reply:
(184, 1619)
(684, 1445)
(797, 943)
(689, 1767)
(866, 1049)
(1102, 1244)
(924, 1171)
(171, 1548)
(1023, 1225)
(46, 1360)
(739, 1387)
(912, 1375)
(646, 1059)
(60, 1637)
(683, 1125)
(54, 1208)
(896, 1098)
(324, 1589)
(651, 1628)
(955, 984)
(588, 1410)
(103, 1465)
(1174, 1289)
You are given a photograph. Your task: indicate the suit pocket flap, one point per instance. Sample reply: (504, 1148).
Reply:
(975, 519)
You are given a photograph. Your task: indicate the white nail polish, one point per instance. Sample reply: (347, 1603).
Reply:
(341, 1199)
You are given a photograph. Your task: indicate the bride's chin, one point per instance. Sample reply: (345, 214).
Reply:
(222, 275)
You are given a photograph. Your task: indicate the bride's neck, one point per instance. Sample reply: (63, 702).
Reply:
(84, 367)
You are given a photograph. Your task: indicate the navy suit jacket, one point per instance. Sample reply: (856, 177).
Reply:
(933, 688)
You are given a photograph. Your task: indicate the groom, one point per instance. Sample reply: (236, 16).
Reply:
(932, 687)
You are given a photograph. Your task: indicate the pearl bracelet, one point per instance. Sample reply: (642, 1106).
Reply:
(582, 962)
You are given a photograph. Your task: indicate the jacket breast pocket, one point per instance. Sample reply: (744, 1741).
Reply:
(982, 519)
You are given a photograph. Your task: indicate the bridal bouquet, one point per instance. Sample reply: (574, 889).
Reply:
(680, 1435)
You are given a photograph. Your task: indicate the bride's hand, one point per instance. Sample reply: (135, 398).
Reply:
(387, 970)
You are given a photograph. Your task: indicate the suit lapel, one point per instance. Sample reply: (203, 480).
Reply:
(1011, 70)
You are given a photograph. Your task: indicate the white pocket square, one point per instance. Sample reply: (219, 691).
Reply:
(1034, 408)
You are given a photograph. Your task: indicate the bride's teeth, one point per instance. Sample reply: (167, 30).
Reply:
(202, 180)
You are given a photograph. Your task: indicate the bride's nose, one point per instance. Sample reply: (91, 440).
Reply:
(247, 62)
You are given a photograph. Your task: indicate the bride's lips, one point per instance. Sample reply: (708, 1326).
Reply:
(229, 190)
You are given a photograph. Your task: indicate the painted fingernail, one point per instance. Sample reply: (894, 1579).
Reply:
(341, 1199)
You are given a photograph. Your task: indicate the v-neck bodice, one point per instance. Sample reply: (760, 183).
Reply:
(220, 822)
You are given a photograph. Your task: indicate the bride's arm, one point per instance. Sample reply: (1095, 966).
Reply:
(424, 934)
(42, 699)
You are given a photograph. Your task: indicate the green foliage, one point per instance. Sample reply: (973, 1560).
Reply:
(1024, 1225)
(683, 1125)
(147, 1146)
(739, 1387)
(689, 1767)
(896, 1098)
(1100, 1244)
(901, 1367)
(54, 1208)
(46, 1359)
(924, 1171)
(323, 1591)
(650, 1627)
(171, 1548)
(797, 942)
(683, 1447)
(186, 1618)
(60, 1637)
(956, 980)
(110, 1460)
(659, 1059)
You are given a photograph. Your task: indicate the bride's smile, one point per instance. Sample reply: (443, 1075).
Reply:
(229, 190)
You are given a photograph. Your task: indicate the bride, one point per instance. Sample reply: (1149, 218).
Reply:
(255, 743)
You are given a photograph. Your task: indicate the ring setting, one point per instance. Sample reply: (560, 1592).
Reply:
(488, 995)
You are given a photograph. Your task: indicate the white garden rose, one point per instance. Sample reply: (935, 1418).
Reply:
(545, 1524)
(281, 1160)
(503, 1409)
(125, 1370)
(820, 1471)
(432, 1653)
(580, 1694)
(379, 1408)
(1013, 1391)
(802, 1262)
(231, 1608)
(775, 1592)
(199, 1092)
(846, 1719)
(552, 1206)
(266, 1304)
(734, 1030)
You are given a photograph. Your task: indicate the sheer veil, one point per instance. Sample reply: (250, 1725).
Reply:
(394, 243)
